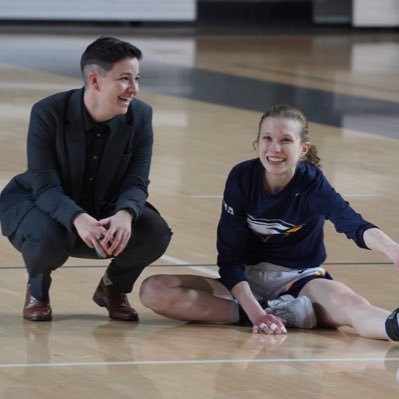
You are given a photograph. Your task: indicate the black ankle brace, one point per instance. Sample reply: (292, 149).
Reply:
(244, 320)
(392, 326)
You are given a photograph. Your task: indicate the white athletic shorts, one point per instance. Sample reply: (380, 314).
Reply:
(269, 281)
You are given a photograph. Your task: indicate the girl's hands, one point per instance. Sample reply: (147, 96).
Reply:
(269, 324)
(262, 322)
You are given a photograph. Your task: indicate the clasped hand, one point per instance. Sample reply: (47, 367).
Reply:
(108, 236)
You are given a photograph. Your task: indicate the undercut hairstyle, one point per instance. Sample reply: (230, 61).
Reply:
(104, 52)
(290, 112)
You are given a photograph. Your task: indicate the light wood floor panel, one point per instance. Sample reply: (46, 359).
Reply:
(82, 353)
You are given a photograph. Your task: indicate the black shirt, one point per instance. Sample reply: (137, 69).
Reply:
(96, 138)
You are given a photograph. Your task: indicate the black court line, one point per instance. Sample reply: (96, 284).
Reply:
(204, 265)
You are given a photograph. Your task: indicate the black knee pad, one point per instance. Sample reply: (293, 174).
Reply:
(392, 325)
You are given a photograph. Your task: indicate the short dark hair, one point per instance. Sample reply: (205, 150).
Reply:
(106, 51)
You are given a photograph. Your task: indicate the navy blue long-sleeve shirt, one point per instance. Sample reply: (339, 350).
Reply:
(285, 228)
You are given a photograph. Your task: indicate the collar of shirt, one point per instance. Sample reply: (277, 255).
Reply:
(91, 126)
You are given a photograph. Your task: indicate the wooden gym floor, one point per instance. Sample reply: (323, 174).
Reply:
(208, 93)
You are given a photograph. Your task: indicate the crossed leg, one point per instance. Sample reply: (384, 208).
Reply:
(187, 297)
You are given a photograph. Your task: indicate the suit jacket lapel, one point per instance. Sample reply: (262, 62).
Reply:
(75, 142)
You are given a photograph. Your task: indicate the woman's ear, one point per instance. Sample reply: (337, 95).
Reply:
(305, 148)
(255, 145)
(92, 78)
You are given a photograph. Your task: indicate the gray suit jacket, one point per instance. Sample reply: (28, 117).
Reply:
(56, 161)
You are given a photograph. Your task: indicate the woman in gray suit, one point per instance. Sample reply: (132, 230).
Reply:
(85, 189)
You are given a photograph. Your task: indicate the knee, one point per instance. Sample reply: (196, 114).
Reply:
(152, 230)
(162, 241)
(155, 292)
(160, 237)
(45, 252)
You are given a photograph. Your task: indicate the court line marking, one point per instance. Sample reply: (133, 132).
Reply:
(9, 292)
(207, 270)
(210, 361)
(36, 86)
(355, 195)
(215, 196)
(202, 269)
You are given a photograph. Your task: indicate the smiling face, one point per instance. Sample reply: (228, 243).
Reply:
(280, 148)
(112, 91)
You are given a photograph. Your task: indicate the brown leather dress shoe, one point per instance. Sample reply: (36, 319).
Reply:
(37, 309)
(116, 303)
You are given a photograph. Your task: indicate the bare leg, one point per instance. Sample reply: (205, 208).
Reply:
(337, 305)
(187, 297)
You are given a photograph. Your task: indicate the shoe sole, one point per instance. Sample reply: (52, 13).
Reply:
(99, 302)
(102, 304)
(38, 318)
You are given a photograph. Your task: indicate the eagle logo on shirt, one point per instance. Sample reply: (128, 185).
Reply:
(268, 227)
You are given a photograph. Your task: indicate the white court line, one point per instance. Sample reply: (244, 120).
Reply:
(201, 269)
(36, 86)
(8, 292)
(218, 196)
(360, 195)
(216, 361)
